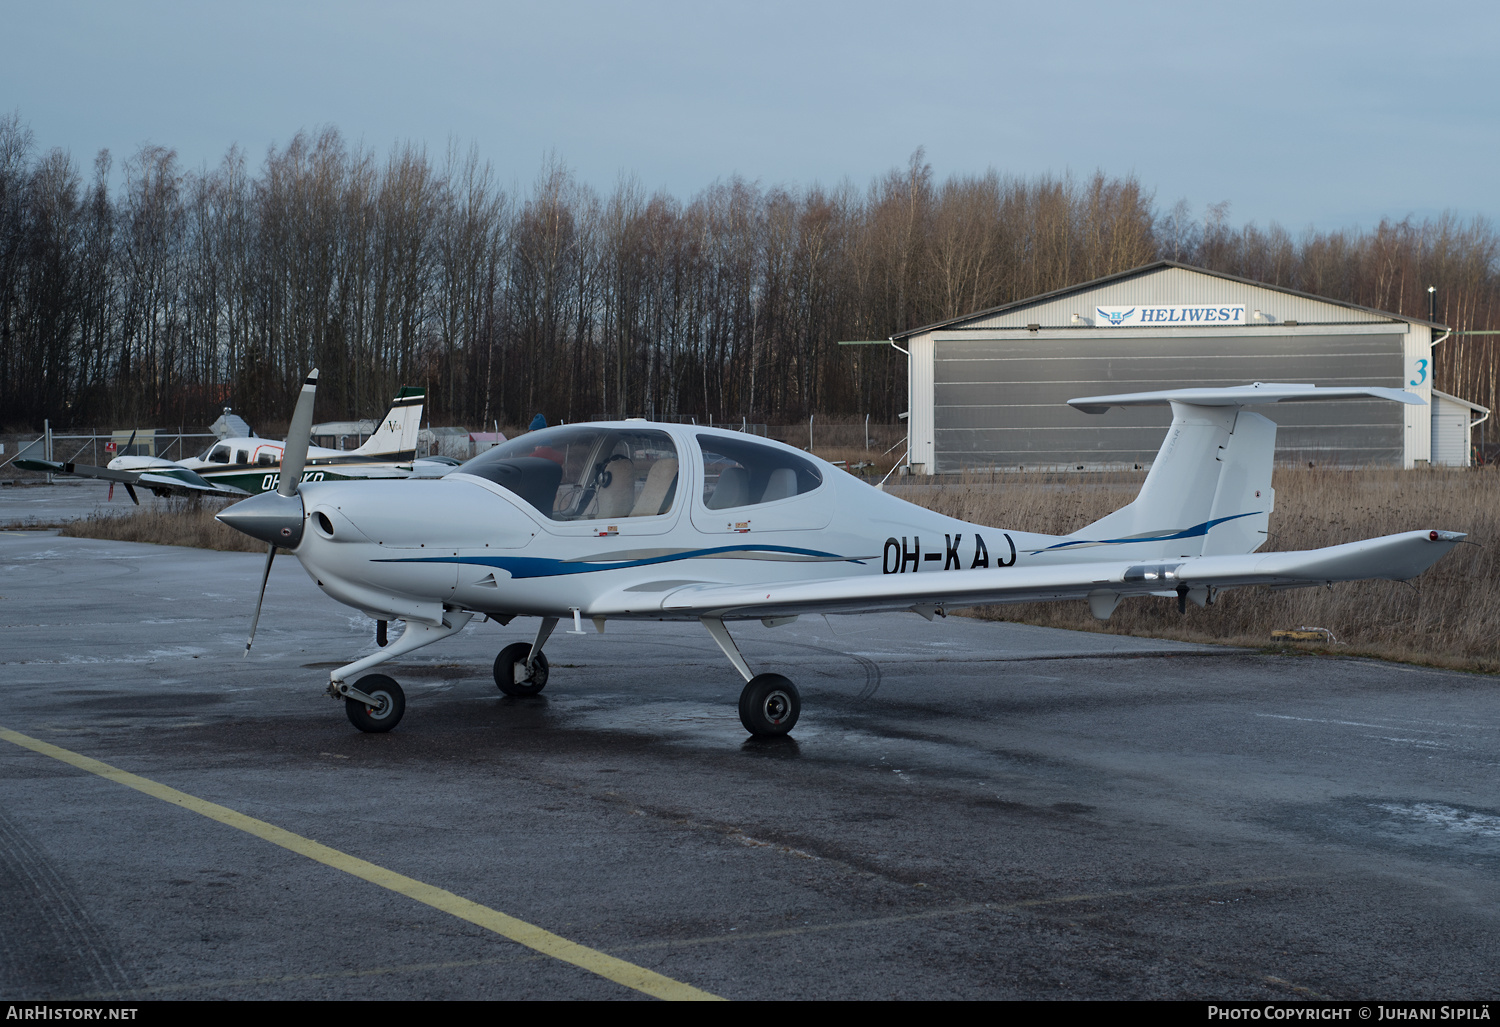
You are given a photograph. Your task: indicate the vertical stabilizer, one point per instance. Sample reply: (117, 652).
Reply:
(396, 437)
(1209, 491)
(1205, 467)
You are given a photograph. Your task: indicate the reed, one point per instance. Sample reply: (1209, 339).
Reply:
(170, 522)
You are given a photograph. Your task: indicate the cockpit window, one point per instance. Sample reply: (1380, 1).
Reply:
(585, 472)
(219, 455)
(744, 473)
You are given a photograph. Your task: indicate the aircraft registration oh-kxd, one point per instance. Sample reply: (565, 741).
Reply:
(630, 520)
(251, 465)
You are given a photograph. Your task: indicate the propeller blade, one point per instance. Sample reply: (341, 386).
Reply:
(131, 442)
(133, 497)
(293, 458)
(294, 453)
(265, 577)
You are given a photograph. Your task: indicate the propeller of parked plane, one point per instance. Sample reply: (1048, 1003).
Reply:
(279, 524)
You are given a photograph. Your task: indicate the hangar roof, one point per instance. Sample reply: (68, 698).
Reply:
(1183, 281)
(1461, 402)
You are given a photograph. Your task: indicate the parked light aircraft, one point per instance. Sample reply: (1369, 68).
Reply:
(629, 520)
(248, 466)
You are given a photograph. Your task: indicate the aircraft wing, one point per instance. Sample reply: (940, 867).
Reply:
(366, 471)
(1393, 557)
(186, 483)
(160, 480)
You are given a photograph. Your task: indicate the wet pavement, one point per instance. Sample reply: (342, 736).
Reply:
(966, 810)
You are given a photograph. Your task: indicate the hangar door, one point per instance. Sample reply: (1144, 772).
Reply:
(1003, 402)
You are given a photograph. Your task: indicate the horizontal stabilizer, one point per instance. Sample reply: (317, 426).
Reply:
(1243, 396)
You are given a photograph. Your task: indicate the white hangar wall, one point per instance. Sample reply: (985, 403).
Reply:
(992, 389)
(1453, 422)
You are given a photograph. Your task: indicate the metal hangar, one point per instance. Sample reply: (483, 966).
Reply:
(990, 389)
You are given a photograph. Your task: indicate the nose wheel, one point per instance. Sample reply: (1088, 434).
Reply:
(379, 706)
(769, 705)
(514, 676)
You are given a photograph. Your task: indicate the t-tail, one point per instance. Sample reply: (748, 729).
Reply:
(1209, 491)
(396, 437)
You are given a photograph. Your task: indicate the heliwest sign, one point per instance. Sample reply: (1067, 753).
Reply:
(1168, 317)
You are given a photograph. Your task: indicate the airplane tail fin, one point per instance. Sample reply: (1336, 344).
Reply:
(1209, 492)
(396, 437)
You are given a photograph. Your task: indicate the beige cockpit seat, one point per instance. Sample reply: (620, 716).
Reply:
(781, 485)
(733, 489)
(656, 495)
(616, 487)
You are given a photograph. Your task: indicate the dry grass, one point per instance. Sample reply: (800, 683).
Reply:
(1448, 617)
(173, 522)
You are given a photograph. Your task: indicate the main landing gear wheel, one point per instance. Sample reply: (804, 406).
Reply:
(769, 705)
(379, 718)
(513, 677)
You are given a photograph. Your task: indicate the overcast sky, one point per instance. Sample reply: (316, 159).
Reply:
(1306, 113)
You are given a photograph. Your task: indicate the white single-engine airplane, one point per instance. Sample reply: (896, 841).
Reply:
(628, 520)
(246, 466)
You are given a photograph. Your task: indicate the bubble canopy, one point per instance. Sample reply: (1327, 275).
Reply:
(585, 472)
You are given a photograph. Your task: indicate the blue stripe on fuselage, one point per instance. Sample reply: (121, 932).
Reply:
(1193, 532)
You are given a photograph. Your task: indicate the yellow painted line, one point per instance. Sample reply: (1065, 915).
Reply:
(631, 976)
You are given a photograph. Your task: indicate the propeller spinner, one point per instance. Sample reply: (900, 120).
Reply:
(276, 518)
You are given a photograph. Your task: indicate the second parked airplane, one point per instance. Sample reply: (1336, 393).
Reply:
(249, 466)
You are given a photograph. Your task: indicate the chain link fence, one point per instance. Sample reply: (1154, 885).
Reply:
(96, 448)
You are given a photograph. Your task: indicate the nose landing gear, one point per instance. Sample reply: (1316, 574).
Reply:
(374, 703)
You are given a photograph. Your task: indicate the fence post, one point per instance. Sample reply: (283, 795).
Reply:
(867, 433)
(47, 445)
(809, 433)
